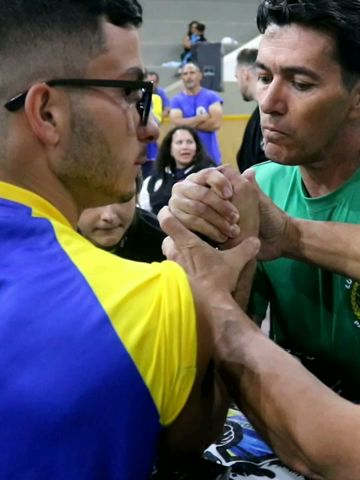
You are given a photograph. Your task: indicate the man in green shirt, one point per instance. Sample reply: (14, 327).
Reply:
(309, 97)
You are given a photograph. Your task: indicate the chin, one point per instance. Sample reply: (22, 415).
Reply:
(108, 243)
(277, 154)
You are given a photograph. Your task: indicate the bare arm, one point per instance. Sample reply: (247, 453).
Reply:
(186, 42)
(203, 417)
(333, 246)
(213, 121)
(330, 245)
(177, 119)
(312, 429)
(200, 204)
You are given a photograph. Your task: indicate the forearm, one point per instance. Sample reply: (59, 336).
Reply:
(209, 125)
(310, 428)
(333, 246)
(186, 122)
(243, 288)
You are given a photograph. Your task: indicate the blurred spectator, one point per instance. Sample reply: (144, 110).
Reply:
(154, 77)
(186, 41)
(152, 147)
(196, 34)
(251, 150)
(181, 153)
(160, 108)
(199, 108)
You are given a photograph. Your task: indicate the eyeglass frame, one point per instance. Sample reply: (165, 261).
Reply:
(143, 106)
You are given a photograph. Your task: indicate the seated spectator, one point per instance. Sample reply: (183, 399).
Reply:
(181, 153)
(125, 230)
(186, 41)
(196, 34)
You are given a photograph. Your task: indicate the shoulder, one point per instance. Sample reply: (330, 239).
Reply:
(149, 306)
(255, 116)
(210, 96)
(270, 169)
(156, 181)
(177, 99)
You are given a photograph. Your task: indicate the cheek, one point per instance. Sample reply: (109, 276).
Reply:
(86, 224)
(321, 124)
(193, 150)
(174, 151)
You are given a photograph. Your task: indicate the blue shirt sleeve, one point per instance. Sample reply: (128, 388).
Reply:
(175, 103)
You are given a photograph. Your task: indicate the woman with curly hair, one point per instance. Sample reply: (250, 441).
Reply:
(180, 154)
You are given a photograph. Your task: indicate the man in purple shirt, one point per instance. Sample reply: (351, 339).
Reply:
(199, 108)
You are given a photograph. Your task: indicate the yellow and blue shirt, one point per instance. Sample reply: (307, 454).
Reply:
(98, 353)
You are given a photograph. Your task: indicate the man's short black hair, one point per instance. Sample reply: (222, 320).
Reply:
(42, 39)
(340, 19)
(247, 56)
(154, 74)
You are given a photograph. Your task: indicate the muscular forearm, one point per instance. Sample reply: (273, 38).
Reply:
(311, 428)
(334, 246)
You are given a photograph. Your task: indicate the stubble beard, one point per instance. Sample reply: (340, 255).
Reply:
(90, 164)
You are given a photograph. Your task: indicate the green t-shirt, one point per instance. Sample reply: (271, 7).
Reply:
(314, 313)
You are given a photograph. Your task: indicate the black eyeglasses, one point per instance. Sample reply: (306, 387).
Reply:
(134, 91)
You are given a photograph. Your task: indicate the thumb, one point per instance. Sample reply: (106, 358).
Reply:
(167, 247)
(249, 174)
(240, 255)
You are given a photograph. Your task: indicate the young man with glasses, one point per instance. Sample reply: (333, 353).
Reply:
(101, 358)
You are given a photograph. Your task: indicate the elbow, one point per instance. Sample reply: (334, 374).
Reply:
(329, 467)
(304, 469)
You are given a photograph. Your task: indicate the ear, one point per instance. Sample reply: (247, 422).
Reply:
(44, 113)
(354, 112)
(246, 74)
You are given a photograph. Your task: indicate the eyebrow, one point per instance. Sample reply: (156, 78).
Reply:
(292, 69)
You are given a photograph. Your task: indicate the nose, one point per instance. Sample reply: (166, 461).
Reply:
(272, 98)
(150, 132)
(107, 214)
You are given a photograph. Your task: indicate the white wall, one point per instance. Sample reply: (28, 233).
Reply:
(230, 59)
